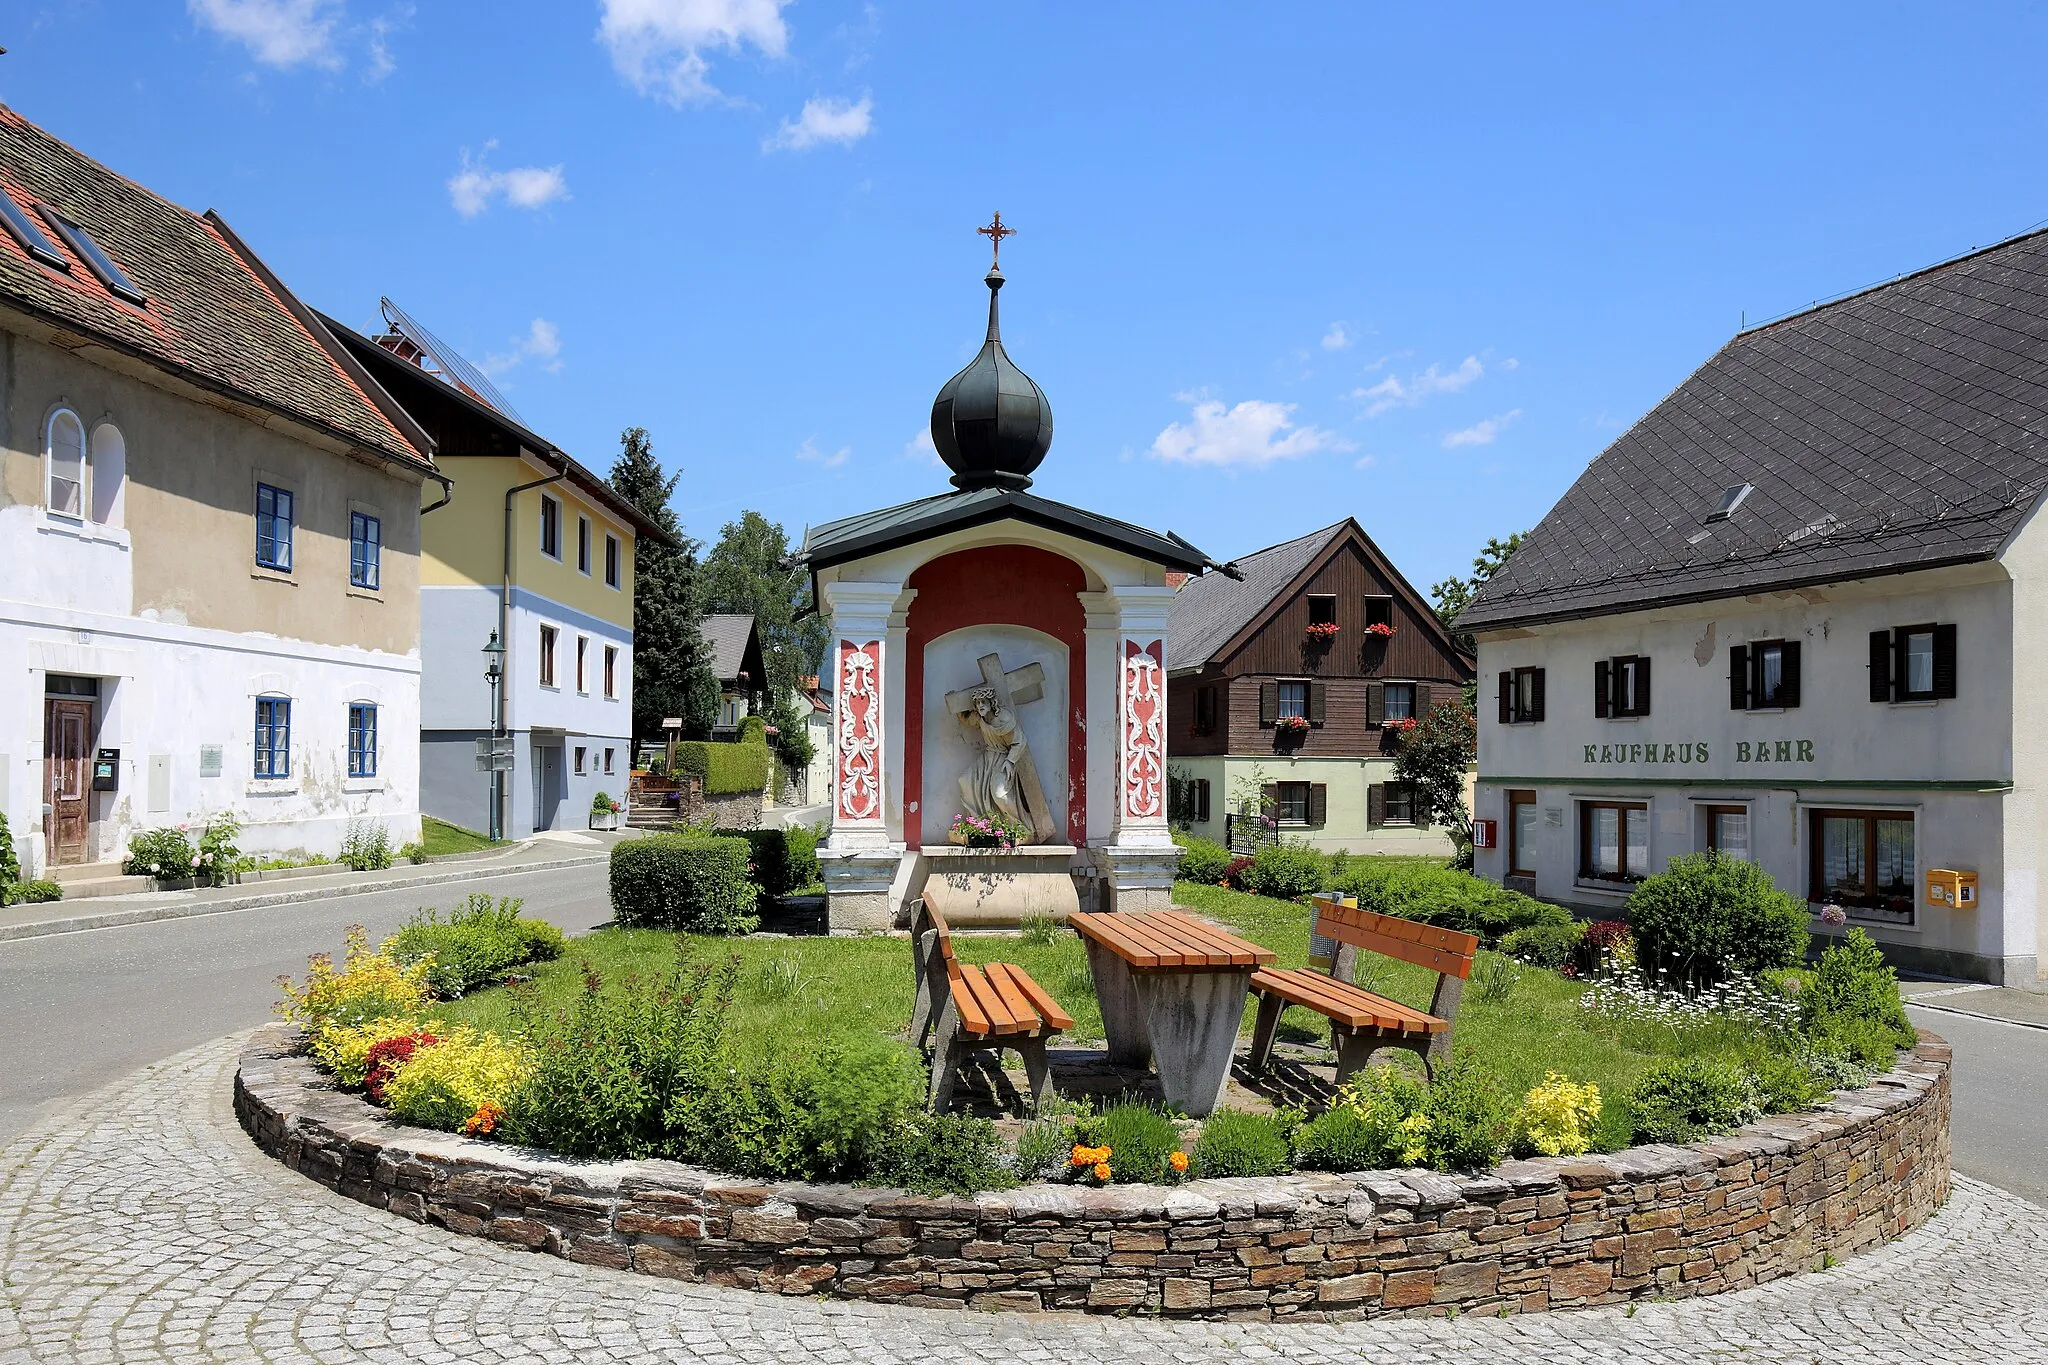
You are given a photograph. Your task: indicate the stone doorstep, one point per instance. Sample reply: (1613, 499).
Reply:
(1370, 1243)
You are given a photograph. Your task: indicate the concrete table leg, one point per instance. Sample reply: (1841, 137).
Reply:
(1193, 1018)
(1123, 1013)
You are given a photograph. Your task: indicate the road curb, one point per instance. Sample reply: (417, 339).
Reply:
(1977, 1014)
(145, 914)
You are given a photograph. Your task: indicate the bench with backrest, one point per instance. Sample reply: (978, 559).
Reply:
(976, 1007)
(1361, 1022)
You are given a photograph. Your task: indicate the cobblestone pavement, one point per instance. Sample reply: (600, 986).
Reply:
(141, 1225)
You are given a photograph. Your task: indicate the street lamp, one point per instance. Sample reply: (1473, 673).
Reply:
(494, 674)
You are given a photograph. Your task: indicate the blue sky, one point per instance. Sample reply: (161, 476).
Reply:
(1275, 264)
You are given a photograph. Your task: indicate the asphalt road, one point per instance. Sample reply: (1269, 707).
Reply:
(1999, 1126)
(79, 1010)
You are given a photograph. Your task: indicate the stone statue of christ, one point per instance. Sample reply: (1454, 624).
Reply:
(1003, 780)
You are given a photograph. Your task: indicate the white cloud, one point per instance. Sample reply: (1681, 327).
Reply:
(823, 120)
(280, 33)
(1481, 433)
(1392, 393)
(1253, 434)
(1336, 339)
(1364, 462)
(472, 188)
(809, 453)
(542, 344)
(921, 449)
(659, 45)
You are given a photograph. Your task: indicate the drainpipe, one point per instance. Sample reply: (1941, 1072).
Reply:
(505, 637)
(447, 494)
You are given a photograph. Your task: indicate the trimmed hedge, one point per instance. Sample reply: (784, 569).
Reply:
(1202, 860)
(727, 769)
(690, 882)
(1446, 898)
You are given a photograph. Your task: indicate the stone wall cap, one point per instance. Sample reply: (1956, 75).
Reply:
(1530, 1177)
(1433, 1190)
(1387, 1187)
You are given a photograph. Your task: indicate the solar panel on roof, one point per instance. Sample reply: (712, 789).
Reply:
(112, 276)
(23, 229)
(447, 363)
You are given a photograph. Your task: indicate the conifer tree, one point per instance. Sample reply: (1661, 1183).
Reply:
(671, 663)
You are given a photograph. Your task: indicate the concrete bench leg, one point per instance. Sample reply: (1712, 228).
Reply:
(1354, 1051)
(1039, 1071)
(1193, 1019)
(1124, 1022)
(945, 1058)
(1264, 1031)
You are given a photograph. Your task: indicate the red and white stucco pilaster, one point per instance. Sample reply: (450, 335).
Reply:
(863, 727)
(1141, 715)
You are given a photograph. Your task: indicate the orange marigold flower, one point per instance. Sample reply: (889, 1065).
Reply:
(1179, 1161)
(1082, 1156)
(1102, 1171)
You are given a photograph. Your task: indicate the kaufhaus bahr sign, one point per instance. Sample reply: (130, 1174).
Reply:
(1772, 751)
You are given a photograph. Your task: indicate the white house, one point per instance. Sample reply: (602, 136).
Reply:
(1793, 615)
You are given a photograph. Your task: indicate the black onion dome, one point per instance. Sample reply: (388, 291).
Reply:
(991, 424)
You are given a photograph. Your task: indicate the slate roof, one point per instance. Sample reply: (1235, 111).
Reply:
(1896, 429)
(1212, 608)
(907, 523)
(215, 315)
(728, 636)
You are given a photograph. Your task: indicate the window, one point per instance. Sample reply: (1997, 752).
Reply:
(1322, 610)
(608, 759)
(365, 550)
(23, 229)
(582, 651)
(611, 561)
(1863, 862)
(1614, 842)
(1764, 676)
(1732, 497)
(1205, 711)
(1399, 703)
(112, 276)
(583, 544)
(1728, 831)
(1521, 696)
(107, 458)
(611, 671)
(273, 737)
(1292, 807)
(1621, 687)
(273, 528)
(1913, 663)
(547, 656)
(1293, 701)
(1379, 611)
(1400, 808)
(362, 740)
(580, 752)
(65, 458)
(1522, 826)
(550, 527)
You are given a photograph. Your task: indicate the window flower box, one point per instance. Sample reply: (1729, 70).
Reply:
(1322, 631)
(1380, 630)
(1291, 726)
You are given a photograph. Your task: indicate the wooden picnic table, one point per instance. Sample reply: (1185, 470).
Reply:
(1172, 991)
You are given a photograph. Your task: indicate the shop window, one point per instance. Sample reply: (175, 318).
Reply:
(1913, 663)
(1621, 687)
(362, 740)
(1863, 861)
(1614, 842)
(1521, 696)
(1728, 832)
(1522, 826)
(1764, 676)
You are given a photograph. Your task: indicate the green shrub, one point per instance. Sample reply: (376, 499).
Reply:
(1470, 1118)
(802, 843)
(1552, 946)
(1234, 1142)
(1043, 1148)
(691, 882)
(1783, 1082)
(1853, 981)
(1460, 1121)
(10, 861)
(1834, 1066)
(1286, 872)
(1445, 897)
(727, 769)
(165, 854)
(1339, 1139)
(1139, 1138)
(414, 852)
(1202, 860)
(366, 846)
(30, 892)
(476, 945)
(1706, 915)
(754, 730)
(829, 1112)
(945, 1154)
(1680, 1099)
(1868, 1042)
(768, 852)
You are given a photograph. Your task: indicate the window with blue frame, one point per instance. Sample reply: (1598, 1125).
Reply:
(362, 740)
(273, 737)
(273, 527)
(365, 550)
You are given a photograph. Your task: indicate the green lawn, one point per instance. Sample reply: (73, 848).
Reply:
(810, 988)
(441, 837)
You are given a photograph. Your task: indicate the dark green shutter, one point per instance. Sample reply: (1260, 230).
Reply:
(1421, 701)
(1418, 809)
(1880, 665)
(1318, 702)
(1642, 685)
(1202, 801)
(1318, 803)
(1738, 678)
(1603, 689)
(1789, 696)
(1375, 704)
(1269, 703)
(1536, 694)
(1269, 799)
(1507, 697)
(1375, 805)
(1945, 662)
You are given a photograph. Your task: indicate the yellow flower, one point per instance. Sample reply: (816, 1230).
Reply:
(1179, 1161)
(1558, 1117)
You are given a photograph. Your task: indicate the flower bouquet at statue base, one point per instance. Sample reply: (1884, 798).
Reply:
(978, 831)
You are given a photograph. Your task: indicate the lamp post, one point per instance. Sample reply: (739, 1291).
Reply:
(494, 674)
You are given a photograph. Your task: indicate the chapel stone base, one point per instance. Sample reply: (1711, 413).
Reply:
(1001, 888)
(861, 895)
(1139, 879)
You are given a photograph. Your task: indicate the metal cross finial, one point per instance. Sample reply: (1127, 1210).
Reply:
(995, 232)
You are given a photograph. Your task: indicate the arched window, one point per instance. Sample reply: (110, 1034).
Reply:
(64, 455)
(109, 462)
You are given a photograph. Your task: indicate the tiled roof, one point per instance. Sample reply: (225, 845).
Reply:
(212, 316)
(1899, 428)
(907, 523)
(727, 636)
(1212, 608)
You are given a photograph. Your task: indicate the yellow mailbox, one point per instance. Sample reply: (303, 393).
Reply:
(1957, 890)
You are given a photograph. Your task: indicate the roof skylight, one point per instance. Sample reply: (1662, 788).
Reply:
(1731, 498)
(112, 276)
(24, 230)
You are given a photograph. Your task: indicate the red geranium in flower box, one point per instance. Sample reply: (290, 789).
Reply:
(1322, 630)
(1381, 629)
(1295, 725)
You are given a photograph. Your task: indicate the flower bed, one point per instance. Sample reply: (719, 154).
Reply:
(1776, 1197)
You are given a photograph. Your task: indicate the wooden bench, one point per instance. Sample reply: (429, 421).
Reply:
(1361, 1022)
(996, 1005)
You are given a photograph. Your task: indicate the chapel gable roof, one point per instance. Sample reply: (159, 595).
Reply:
(1896, 429)
(213, 314)
(870, 533)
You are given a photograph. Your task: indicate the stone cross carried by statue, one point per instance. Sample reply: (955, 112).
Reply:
(1004, 779)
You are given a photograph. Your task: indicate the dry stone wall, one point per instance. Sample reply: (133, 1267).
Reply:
(1665, 1221)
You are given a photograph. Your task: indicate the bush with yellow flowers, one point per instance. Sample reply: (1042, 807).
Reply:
(368, 986)
(346, 1050)
(451, 1083)
(1557, 1118)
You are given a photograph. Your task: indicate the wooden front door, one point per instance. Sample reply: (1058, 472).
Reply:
(67, 768)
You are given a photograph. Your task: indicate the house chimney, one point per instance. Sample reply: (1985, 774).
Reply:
(1175, 578)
